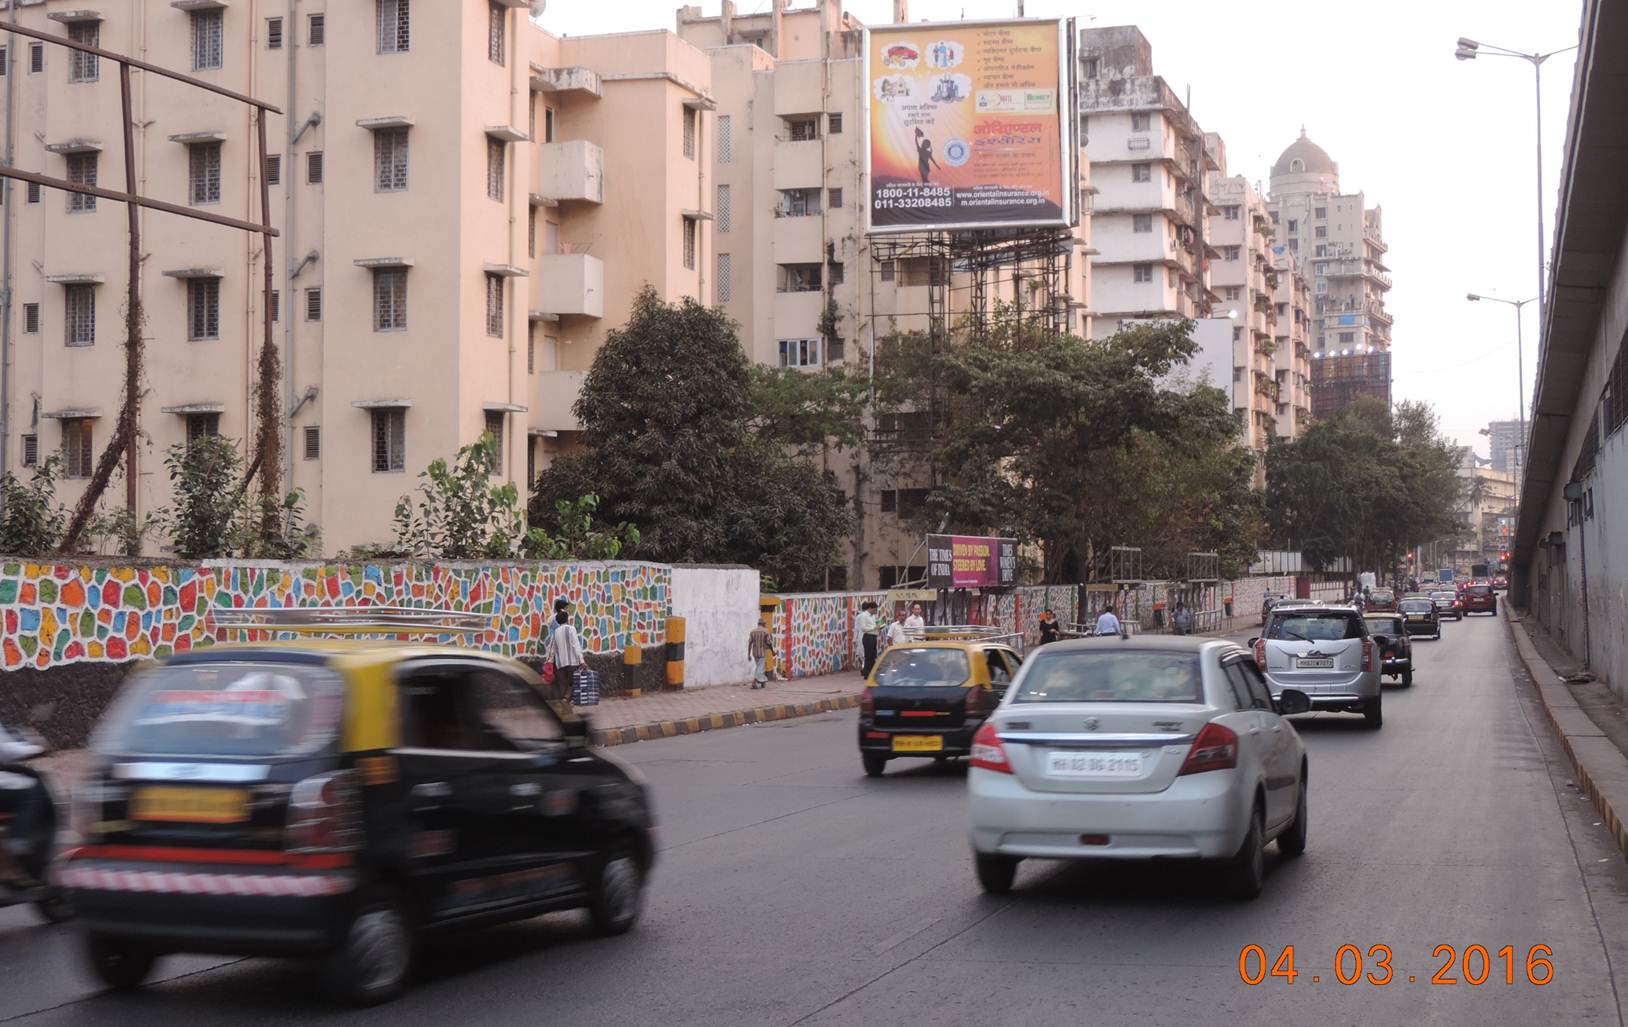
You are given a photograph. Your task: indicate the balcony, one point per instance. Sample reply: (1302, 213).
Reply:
(569, 284)
(580, 83)
(798, 240)
(572, 172)
(552, 397)
(798, 164)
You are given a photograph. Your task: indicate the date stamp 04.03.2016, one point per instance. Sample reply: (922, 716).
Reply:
(1351, 965)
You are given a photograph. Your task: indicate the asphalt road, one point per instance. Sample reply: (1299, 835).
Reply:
(792, 890)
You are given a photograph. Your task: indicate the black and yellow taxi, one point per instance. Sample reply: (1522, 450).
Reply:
(928, 698)
(340, 799)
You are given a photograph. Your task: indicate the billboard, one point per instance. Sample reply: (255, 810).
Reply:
(971, 561)
(968, 125)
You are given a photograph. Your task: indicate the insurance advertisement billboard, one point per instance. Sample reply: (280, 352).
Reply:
(971, 561)
(968, 125)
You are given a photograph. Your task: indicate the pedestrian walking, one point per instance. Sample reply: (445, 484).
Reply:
(896, 633)
(866, 626)
(1182, 619)
(914, 624)
(1050, 631)
(1108, 624)
(757, 647)
(564, 650)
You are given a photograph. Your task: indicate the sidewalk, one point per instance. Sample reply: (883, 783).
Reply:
(1589, 718)
(667, 714)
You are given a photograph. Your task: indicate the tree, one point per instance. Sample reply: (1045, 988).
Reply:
(578, 538)
(31, 522)
(810, 412)
(673, 448)
(461, 513)
(204, 476)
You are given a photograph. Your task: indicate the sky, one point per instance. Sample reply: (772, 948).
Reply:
(1447, 148)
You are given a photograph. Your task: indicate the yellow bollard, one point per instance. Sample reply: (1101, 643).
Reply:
(675, 652)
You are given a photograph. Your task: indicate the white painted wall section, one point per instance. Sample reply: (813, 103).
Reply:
(720, 607)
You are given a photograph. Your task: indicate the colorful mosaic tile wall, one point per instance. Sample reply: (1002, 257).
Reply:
(817, 630)
(56, 614)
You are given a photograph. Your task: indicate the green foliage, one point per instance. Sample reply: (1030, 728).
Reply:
(578, 539)
(1364, 485)
(204, 479)
(461, 513)
(292, 538)
(673, 448)
(808, 411)
(31, 522)
(127, 533)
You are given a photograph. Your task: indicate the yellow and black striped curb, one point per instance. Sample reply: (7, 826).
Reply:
(718, 721)
(1543, 676)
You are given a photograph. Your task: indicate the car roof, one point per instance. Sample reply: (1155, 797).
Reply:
(962, 644)
(1143, 643)
(1303, 607)
(353, 652)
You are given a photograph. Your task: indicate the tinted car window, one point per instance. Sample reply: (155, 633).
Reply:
(1314, 627)
(1118, 676)
(1417, 606)
(1385, 625)
(1382, 595)
(255, 709)
(1478, 590)
(1259, 693)
(922, 667)
(1444, 595)
(1236, 686)
(513, 715)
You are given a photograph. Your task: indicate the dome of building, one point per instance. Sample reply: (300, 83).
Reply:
(1304, 157)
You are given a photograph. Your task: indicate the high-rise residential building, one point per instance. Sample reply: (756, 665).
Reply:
(1507, 445)
(793, 264)
(1291, 352)
(1339, 239)
(466, 204)
(1247, 281)
(1150, 168)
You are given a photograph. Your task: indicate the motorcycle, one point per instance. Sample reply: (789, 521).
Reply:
(28, 828)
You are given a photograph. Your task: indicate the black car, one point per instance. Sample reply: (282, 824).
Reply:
(338, 800)
(1396, 655)
(929, 699)
(1420, 616)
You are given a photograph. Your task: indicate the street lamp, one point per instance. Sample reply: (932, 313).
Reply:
(1520, 363)
(1469, 50)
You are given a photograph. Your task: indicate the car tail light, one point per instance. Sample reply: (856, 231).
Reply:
(975, 701)
(1260, 653)
(987, 750)
(1367, 655)
(1215, 748)
(867, 703)
(325, 814)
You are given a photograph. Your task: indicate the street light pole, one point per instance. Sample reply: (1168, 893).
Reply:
(1520, 364)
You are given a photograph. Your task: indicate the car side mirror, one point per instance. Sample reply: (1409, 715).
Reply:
(1252, 641)
(1293, 701)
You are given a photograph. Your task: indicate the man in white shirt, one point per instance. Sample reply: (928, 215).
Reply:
(896, 633)
(1108, 624)
(914, 625)
(865, 626)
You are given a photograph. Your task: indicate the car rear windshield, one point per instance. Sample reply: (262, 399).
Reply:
(1444, 595)
(1384, 624)
(1417, 605)
(1120, 676)
(254, 709)
(1478, 590)
(1314, 627)
(922, 667)
(1382, 595)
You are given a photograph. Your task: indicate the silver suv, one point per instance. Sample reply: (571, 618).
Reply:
(1326, 652)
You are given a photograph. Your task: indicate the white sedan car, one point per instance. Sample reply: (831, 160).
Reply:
(1139, 748)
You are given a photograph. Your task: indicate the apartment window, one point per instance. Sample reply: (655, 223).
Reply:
(531, 232)
(551, 237)
(1141, 222)
(799, 203)
(274, 33)
(726, 141)
(721, 284)
(690, 226)
(84, 67)
(548, 124)
(494, 428)
(834, 124)
(1294, 226)
(1322, 232)
(394, 35)
(389, 299)
(888, 501)
(494, 168)
(888, 271)
(1141, 172)
(1294, 245)
(1346, 338)
(5, 61)
(799, 352)
(390, 160)
(81, 171)
(276, 305)
(837, 271)
(531, 347)
(313, 167)
(797, 278)
(78, 450)
(689, 132)
(313, 304)
(1274, 217)
(497, 47)
(1230, 252)
(31, 450)
(389, 440)
(200, 425)
(802, 129)
(1320, 212)
(1092, 66)
(274, 169)
(1231, 212)
(1140, 121)
(531, 113)
(79, 315)
(1234, 292)
(316, 30)
(1322, 251)
(33, 192)
(313, 442)
(721, 209)
(36, 58)
(494, 306)
(207, 41)
(833, 199)
(1141, 272)
(203, 308)
(31, 318)
(203, 173)
(531, 461)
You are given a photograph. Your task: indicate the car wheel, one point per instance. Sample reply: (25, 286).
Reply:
(1407, 678)
(619, 896)
(995, 872)
(372, 962)
(119, 964)
(1373, 715)
(1246, 871)
(875, 763)
(53, 908)
(1292, 842)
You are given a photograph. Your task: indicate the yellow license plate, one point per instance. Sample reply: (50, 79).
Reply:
(918, 743)
(191, 805)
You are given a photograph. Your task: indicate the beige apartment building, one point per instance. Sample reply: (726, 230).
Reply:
(1291, 351)
(466, 204)
(1339, 239)
(1246, 280)
(1151, 165)
(789, 229)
